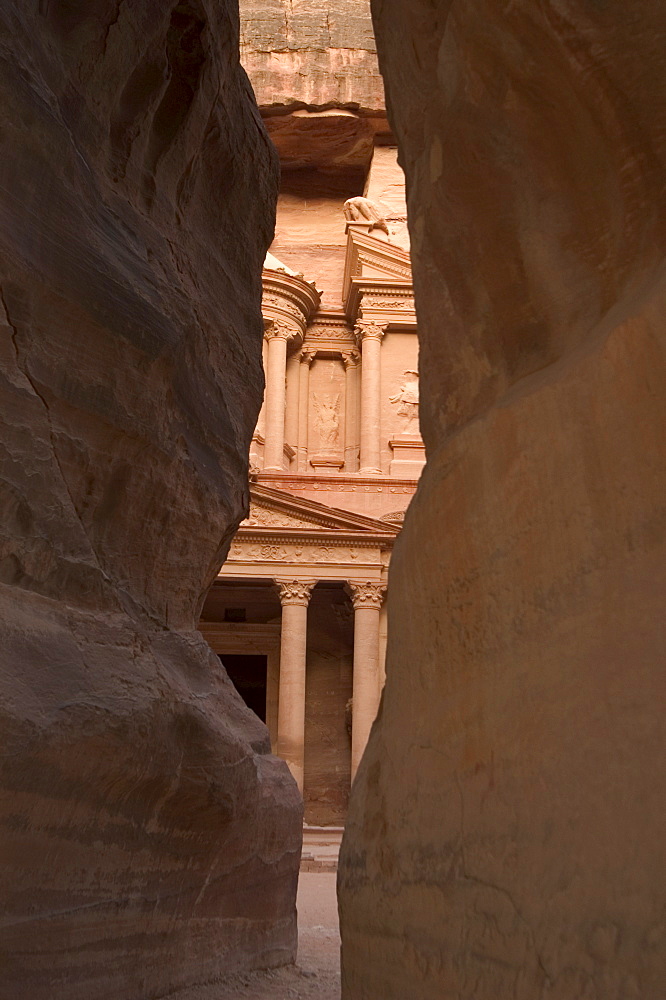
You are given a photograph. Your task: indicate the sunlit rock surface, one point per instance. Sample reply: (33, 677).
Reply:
(149, 840)
(313, 66)
(506, 829)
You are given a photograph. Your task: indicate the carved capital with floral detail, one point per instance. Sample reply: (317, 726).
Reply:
(295, 591)
(368, 330)
(351, 359)
(276, 330)
(366, 595)
(307, 357)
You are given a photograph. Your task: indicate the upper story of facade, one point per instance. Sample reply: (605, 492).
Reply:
(342, 384)
(339, 424)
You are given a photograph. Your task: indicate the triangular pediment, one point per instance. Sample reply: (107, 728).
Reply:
(372, 259)
(278, 510)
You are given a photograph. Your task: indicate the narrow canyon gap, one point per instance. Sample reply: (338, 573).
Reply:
(149, 840)
(505, 835)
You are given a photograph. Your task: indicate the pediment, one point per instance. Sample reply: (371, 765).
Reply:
(372, 259)
(278, 510)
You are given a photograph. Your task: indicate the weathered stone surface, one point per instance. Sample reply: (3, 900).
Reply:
(311, 54)
(506, 828)
(314, 70)
(149, 840)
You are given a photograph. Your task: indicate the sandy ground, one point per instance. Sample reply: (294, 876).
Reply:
(315, 977)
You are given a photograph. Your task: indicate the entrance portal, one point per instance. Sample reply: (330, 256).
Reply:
(248, 675)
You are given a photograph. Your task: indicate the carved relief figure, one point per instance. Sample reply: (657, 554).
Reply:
(407, 402)
(364, 210)
(327, 421)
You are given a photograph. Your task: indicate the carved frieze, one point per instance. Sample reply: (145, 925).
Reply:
(405, 304)
(284, 305)
(249, 550)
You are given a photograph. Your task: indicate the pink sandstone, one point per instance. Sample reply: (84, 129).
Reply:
(505, 836)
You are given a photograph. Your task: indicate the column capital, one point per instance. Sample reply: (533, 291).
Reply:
(368, 330)
(278, 331)
(295, 591)
(366, 594)
(351, 359)
(307, 357)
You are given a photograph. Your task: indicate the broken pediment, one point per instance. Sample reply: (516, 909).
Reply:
(372, 259)
(278, 510)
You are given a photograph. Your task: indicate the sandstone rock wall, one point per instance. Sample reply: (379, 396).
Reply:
(313, 66)
(505, 837)
(149, 840)
(311, 53)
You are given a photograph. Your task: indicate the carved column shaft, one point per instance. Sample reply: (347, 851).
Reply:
(367, 600)
(351, 361)
(306, 359)
(294, 597)
(261, 419)
(370, 335)
(277, 337)
(291, 419)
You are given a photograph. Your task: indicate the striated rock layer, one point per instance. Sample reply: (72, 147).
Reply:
(506, 837)
(313, 66)
(148, 838)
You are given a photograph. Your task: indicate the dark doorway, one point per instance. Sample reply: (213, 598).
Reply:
(248, 675)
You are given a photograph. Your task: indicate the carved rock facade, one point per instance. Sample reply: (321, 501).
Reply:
(153, 841)
(505, 829)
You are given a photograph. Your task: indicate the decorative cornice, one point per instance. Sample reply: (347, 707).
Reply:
(342, 539)
(390, 303)
(295, 591)
(353, 483)
(366, 595)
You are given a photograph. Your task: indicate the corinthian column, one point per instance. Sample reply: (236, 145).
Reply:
(306, 359)
(277, 336)
(294, 598)
(367, 600)
(351, 361)
(370, 338)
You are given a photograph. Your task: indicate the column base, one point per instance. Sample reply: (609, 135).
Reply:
(408, 456)
(327, 462)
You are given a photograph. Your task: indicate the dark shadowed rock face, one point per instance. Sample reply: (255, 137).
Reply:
(151, 839)
(505, 837)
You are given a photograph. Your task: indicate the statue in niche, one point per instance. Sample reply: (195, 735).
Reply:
(364, 210)
(407, 402)
(327, 421)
